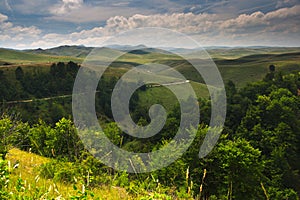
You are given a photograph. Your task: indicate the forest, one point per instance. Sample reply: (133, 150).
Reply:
(256, 157)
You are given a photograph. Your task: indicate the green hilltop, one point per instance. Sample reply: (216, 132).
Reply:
(241, 65)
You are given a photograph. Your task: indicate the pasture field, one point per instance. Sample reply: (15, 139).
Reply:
(241, 65)
(42, 156)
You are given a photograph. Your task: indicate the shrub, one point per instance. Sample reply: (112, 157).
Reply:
(4, 179)
(60, 171)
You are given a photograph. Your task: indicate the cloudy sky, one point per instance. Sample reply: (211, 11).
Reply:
(49, 23)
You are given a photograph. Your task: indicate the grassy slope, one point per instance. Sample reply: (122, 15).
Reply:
(245, 69)
(165, 96)
(72, 51)
(234, 53)
(27, 170)
(242, 65)
(240, 70)
(254, 67)
(19, 57)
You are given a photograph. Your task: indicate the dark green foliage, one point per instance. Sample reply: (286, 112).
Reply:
(19, 73)
(60, 141)
(257, 156)
(7, 91)
(47, 95)
(12, 133)
(272, 68)
(60, 171)
(4, 179)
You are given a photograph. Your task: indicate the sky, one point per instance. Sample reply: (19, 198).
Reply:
(28, 24)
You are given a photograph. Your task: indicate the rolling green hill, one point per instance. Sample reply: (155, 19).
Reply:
(241, 65)
(244, 69)
(20, 57)
(234, 53)
(72, 51)
(261, 127)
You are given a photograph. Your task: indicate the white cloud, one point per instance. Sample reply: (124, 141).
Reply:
(280, 27)
(66, 6)
(13, 34)
(211, 24)
(87, 13)
(183, 22)
(285, 19)
(3, 18)
(244, 21)
(4, 37)
(284, 13)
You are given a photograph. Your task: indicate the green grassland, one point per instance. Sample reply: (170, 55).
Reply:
(168, 99)
(71, 51)
(28, 165)
(244, 69)
(19, 57)
(253, 68)
(234, 53)
(241, 65)
(241, 70)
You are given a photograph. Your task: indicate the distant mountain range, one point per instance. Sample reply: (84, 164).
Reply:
(74, 51)
(79, 53)
(215, 51)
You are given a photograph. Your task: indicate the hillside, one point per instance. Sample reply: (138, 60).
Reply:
(27, 165)
(215, 52)
(10, 56)
(237, 52)
(43, 156)
(241, 65)
(72, 51)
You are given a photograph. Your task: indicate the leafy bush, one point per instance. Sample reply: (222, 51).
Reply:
(4, 179)
(60, 171)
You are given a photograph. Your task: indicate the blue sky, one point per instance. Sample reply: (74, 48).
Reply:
(49, 23)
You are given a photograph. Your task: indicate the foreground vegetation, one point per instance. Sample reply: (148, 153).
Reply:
(257, 156)
(25, 182)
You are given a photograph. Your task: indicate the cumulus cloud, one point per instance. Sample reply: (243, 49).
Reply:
(14, 34)
(244, 21)
(66, 6)
(83, 13)
(3, 18)
(190, 23)
(279, 27)
(183, 22)
(285, 19)
(210, 29)
(284, 13)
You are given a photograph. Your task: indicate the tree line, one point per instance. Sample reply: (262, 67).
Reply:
(257, 156)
